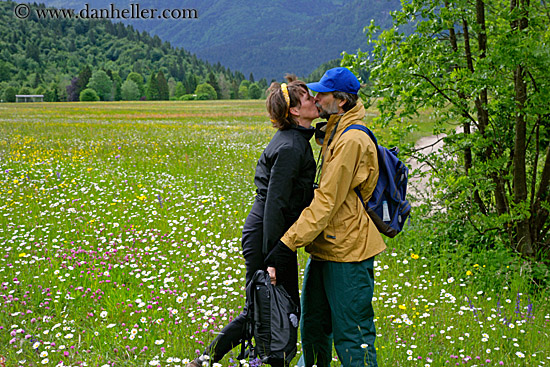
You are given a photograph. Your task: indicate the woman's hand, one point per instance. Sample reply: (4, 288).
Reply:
(272, 274)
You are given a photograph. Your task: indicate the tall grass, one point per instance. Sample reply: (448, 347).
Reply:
(120, 226)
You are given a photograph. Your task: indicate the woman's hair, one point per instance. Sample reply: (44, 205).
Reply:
(278, 105)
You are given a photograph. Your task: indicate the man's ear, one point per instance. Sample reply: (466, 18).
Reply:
(342, 103)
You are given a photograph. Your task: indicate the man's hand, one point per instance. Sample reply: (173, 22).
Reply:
(272, 275)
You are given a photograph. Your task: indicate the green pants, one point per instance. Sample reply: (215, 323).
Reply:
(337, 306)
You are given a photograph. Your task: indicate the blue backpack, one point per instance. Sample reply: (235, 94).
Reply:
(387, 207)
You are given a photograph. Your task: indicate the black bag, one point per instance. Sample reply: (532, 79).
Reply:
(272, 319)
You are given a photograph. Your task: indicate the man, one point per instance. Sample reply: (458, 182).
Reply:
(337, 232)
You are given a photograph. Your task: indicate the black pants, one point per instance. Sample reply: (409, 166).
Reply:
(232, 335)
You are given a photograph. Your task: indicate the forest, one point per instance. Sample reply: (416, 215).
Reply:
(59, 58)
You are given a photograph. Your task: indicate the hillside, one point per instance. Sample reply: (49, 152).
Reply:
(266, 37)
(49, 53)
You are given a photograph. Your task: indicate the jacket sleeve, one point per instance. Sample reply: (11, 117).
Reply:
(285, 169)
(341, 174)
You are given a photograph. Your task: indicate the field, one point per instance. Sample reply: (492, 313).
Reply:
(120, 226)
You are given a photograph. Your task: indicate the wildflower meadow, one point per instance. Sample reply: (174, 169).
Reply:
(120, 227)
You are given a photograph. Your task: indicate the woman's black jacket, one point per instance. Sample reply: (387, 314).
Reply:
(284, 179)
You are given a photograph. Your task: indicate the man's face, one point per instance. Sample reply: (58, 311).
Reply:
(327, 104)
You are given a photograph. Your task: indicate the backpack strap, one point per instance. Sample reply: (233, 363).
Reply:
(362, 128)
(320, 166)
(247, 345)
(375, 141)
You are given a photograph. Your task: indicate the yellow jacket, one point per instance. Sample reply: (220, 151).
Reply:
(335, 226)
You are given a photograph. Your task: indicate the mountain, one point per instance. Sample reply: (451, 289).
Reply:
(266, 37)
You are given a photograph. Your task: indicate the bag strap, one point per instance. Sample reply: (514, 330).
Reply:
(375, 141)
(247, 346)
(362, 128)
(320, 166)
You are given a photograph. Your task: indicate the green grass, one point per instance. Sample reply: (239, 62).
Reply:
(120, 226)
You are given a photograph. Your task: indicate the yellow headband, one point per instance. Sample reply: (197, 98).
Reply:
(284, 89)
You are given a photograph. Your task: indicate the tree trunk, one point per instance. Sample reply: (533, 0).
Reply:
(540, 214)
(466, 125)
(524, 241)
(481, 102)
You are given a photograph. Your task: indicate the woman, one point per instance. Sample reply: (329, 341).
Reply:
(284, 180)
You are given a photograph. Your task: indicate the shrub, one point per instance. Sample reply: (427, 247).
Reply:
(9, 94)
(187, 97)
(206, 89)
(89, 95)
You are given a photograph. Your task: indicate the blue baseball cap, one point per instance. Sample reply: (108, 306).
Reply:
(337, 79)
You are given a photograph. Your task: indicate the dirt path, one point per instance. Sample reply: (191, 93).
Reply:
(418, 186)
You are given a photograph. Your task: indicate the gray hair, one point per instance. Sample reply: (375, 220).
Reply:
(351, 99)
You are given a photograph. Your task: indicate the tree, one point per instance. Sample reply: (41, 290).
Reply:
(89, 95)
(83, 78)
(32, 51)
(180, 90)
(138, 79)
(9, 94)
(485, 66)
(191, 84)
(243, 91)
(5, 71)
(37, 80)
(262, 83)
(130, 91)
(117, 86)
(24, 91)
(164, 92)
(51, 94)
(225, 87)
(206, 90)
(73, 92)
(254, 91)
(101, 84)
(152, 92)
(214, 83)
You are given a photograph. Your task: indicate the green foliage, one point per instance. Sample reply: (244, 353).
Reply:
(152, 92)
(102, 84)
(162, 87)
(9, 94)
(243, 92)
(130, 91)
(46, 51)
(84, 78)
(117, 86)
(214, 83)
(89, 95)
(180, 90)
(187, 97)
(205, 91)
(484, 68)
(254, 91)
(51, 94)
(5, 71)
(138, 79)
